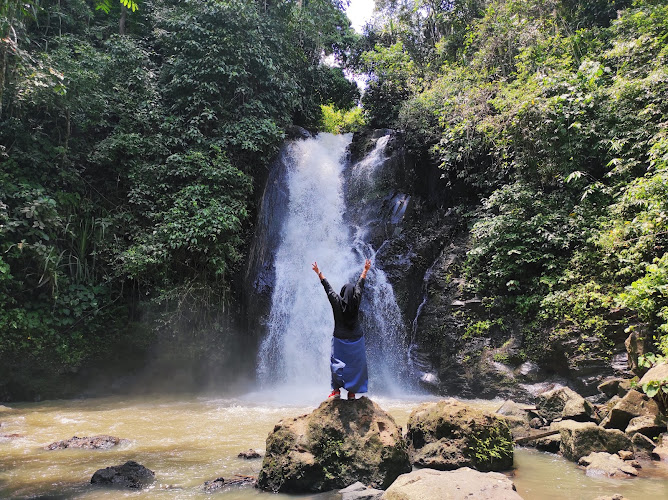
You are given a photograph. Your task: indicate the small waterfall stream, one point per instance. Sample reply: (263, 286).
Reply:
(295, 351)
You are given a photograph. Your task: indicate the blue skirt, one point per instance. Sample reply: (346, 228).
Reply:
(348, 365)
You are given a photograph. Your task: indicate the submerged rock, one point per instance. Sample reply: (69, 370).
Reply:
(449, 434)
(340, 443)
(579, 439)
(358, 491)
(249, 454)
(461, 484)
(129, 475)
(213, 485)
(604, 464)
(221, 482)
(86, 443)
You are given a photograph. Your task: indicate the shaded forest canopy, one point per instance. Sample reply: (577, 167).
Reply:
(131, 143)
(128, 162)
(548, 120)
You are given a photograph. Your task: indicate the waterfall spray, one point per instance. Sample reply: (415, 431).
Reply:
(295, 351)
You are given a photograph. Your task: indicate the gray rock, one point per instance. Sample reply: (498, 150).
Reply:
(658, 372)
(637, 343)
(536, 423)
(616, 496)
(297, 132)
(359, 491)
(449, 434)
(219, 483)
(512, 409)
(87, 443)
(249, 454)
(603, 464)
(660, 453)
(550, 444)
(579, 439)
(461, 484)
(339, 443)
(648, 425)
(129, 475)
(563, 403)
(642, 447)
(633, 404)
(214, 485)
(615, 387)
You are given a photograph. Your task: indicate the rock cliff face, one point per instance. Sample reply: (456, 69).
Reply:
(340, 443)
(419, 227)
(455, 346)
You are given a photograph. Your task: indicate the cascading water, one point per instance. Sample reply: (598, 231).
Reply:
(295, 351)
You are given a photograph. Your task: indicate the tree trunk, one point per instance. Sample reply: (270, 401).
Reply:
(123, 20)
(3, 70)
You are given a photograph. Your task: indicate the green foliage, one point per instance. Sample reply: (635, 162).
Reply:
(128, 162)
(491, 445)
(340, 121)
(550, 117)
(105, 5)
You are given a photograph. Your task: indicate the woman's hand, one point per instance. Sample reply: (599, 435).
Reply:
(367, 266)
(317, 271)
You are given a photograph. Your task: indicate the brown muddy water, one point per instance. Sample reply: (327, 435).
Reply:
(189, 440)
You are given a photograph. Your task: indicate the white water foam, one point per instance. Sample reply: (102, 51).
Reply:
(295, 352)
(294, 355)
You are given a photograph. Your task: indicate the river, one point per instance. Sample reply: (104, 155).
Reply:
(188, 440)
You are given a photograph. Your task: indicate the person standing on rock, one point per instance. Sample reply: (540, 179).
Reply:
(348, 361)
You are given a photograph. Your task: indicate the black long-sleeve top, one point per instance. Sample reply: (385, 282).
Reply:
(341, 330)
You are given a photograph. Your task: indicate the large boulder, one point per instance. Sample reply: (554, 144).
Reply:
(563, 403)
(340, 443)
(601, 464)
(449, 434)
(633, 404)
(461, 484)
(129, 475)
(579, 439)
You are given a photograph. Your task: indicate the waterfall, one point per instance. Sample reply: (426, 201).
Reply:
(296, 348)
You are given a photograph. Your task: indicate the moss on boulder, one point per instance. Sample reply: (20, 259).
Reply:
(448, 434)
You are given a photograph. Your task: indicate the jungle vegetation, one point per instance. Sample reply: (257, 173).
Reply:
(134, 136)
(549, 118)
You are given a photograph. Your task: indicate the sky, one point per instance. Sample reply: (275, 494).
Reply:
(359, 12)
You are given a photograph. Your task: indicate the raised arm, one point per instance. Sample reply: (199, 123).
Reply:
(362, 278)
(332, 296)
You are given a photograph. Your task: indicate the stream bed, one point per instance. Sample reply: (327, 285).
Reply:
(187, 440)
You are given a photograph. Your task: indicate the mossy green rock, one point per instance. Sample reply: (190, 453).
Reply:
(448, 434)
(579, 439)
(340, 443)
